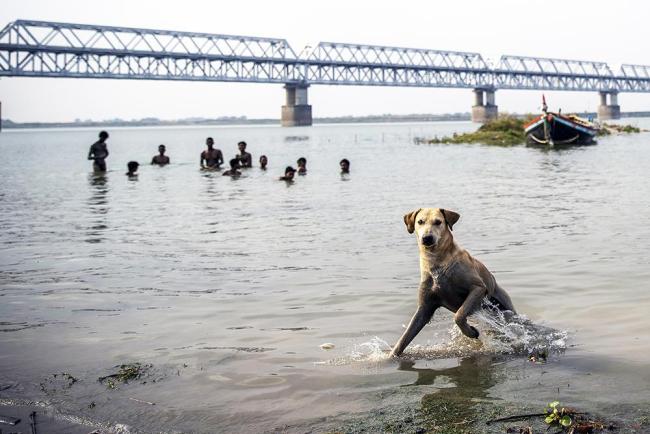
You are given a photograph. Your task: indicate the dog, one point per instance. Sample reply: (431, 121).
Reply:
(449, 276)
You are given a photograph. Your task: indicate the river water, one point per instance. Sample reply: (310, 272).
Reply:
(225, 289)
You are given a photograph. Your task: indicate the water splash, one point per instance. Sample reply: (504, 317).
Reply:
(500, 333)
(507, 333)
(376, 350)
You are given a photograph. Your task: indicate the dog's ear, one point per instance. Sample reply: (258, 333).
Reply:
(451, 217)
(409, 220)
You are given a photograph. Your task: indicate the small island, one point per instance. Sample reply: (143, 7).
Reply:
(508, 130)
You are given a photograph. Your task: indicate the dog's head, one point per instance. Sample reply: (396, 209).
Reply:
(432, 225)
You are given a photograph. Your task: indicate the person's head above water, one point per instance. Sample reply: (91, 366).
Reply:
(162, 149)
(210, 142)
(234, 164)
(302, 161)
(133, 167)
(103, 135)
(241, 146)
(263, 161)
(345, 165)
(289, 172)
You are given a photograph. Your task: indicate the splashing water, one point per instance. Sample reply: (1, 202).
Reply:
(376, 350)
(508, 333)
(500, 333)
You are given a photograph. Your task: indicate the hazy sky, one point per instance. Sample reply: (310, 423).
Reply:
(615, 32)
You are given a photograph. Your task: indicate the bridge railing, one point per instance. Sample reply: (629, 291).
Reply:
(522, 72)
(354, 64)
(55, 36)
(39, 48)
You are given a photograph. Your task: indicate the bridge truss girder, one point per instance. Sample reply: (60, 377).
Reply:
(46, 49)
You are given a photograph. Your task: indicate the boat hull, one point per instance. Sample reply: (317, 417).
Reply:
(555, 130)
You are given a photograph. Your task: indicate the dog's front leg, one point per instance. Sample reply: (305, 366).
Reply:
(471, 303)
(426, 308)
(419, 320)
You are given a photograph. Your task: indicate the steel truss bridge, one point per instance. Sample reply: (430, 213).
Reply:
(49, 49)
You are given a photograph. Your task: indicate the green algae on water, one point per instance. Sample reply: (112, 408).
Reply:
(125, 373)
(506, 130)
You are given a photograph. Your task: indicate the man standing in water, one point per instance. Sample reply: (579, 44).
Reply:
(245, 158)
(212, 157)
(98, 152)
(161, 159)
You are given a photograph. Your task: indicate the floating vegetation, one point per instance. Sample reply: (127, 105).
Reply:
(506, 130)
(125, 373)
(608, 129)
(562, 419)
(559, 415)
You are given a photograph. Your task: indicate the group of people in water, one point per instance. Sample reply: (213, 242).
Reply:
(211, 159)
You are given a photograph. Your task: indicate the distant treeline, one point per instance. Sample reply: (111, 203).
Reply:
(232, 120)
(243, 120)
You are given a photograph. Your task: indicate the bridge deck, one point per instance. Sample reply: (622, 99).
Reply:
(49, 49)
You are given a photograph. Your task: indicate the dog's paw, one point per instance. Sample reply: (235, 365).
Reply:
(471, 332)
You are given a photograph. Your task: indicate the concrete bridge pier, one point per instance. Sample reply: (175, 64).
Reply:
(611, 110)
(296, 112)
(483, 112)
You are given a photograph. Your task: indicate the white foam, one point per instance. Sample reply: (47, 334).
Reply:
(500, 333)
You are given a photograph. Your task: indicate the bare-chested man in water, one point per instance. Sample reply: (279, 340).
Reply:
(213, 158)
(245, 158)
(161, 159)
(98, 153)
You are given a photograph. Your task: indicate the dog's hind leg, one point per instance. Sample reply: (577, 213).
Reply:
(421, 317)
(471, 304)
(503, 299)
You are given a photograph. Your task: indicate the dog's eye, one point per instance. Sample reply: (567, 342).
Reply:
(437, 222)
(420, 222)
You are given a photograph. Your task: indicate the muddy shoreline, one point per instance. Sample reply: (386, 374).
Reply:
(460, 395)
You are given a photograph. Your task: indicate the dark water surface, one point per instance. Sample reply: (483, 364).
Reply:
(228, 287)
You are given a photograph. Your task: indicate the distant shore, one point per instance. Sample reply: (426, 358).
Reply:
(243, 120)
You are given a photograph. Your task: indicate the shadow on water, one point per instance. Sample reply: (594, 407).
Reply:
(98, 206)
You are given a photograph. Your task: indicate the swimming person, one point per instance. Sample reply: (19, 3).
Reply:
(345, 165)
(302, 166)
(234, 165)
(132, 166)
(161, 159)
(98, 152)
(289, 172)
(212, 157)
(245, 158)
(263, 162)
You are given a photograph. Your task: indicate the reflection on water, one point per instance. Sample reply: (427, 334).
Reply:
(98, 207)
(471, 376)
(229, 288)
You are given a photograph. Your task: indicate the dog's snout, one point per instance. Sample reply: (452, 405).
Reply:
(428, 240)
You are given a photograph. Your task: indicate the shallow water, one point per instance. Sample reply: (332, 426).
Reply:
(228, 287)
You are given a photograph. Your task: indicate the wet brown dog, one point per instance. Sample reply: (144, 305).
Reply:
(449, 276)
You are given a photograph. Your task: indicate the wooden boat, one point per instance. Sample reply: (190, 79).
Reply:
(552, 129)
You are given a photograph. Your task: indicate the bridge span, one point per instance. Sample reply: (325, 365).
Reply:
(51, 49)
